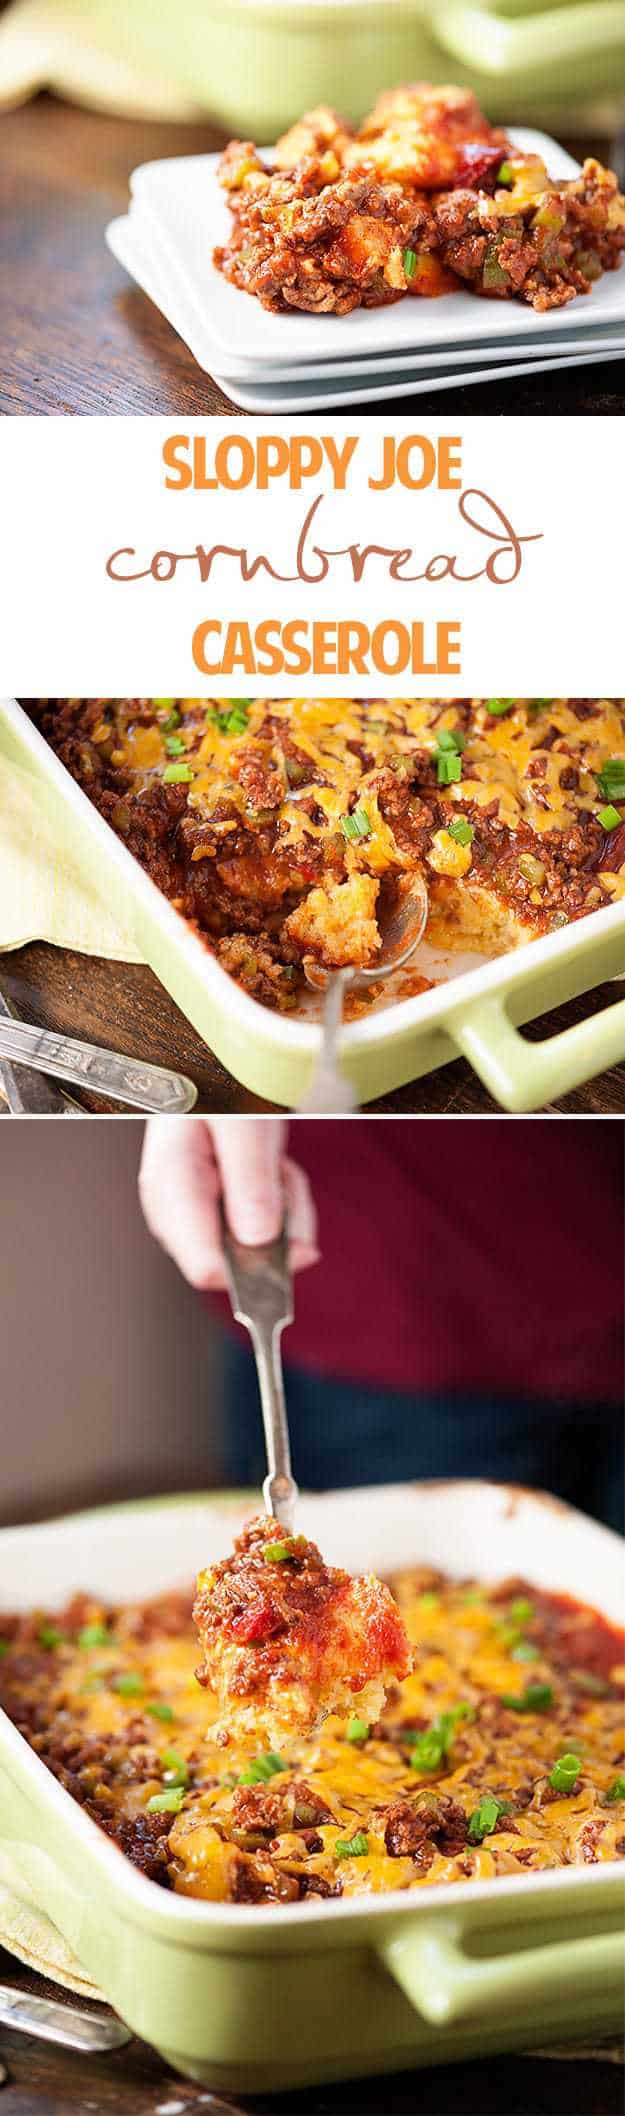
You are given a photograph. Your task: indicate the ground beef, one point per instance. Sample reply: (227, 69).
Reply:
(423, 1826)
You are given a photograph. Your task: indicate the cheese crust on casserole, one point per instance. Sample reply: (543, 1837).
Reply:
(425, 197)
(287, 1639)
(280, 827)
(501, 1753)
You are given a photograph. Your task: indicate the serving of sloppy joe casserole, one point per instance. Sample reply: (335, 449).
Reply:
(426, 197)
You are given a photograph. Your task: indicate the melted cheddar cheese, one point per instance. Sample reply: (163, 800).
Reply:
(254, 814)
(462, 1777)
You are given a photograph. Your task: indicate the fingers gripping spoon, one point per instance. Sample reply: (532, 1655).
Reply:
(261, 1292)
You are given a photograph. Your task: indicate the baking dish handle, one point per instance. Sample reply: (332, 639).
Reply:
(504, 48)
(524, 1076)
(444, 1984)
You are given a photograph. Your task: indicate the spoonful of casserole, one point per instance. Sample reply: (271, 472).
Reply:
(287, 1639)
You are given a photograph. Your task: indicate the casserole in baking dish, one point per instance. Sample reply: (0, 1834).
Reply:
(473, 1008)
(324, 1988)
(276, 826)
(498, 1750)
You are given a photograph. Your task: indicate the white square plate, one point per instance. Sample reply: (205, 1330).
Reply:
(185, 200)
(160, 254)
(133, 242)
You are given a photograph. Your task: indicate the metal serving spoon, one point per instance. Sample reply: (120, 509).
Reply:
(401, 923)
(261, 1292)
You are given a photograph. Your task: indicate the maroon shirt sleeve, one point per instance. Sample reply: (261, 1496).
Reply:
(482, 1257)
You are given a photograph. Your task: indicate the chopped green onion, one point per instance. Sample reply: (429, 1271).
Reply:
(505, 173)
(172, 721)
(262, 1768)
(427, 1753)
(485, 1817)
(450, 738)
(461, 831)
(352, 1847)
(428, 1601)
(449, 767)
(162, 702)
(521, 1610)
(175, 1771)
(616, 1791)
(565, 1772)
(525, 1650)
(357, 1730)
(168, 1803)
(231, 719)
(609, 817)
(498, 706)
(49, 1635)
(128, 1685)
(174, 745)
(611, 779)
(430, 1748)
(4, 1646)
(356, 825)
(507, 1634)
(277, 1553)
(177, 774)
(159, 1711)
(410, 263)
(536, 1698)
(94, 1635)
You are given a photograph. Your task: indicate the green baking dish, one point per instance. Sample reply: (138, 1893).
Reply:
(476, 1013)
(256, 1999)
(255, 64)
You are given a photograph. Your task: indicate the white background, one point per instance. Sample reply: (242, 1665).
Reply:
(74, 490)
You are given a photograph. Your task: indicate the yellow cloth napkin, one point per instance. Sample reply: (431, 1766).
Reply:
(42, 894)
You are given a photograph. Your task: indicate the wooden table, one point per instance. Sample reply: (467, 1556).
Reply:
(124, 1007)
(77, 336)
(44, 2081)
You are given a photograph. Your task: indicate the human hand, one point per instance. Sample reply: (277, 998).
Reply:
(188, 1163)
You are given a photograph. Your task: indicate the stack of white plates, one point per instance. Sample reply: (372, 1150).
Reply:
(294, 362)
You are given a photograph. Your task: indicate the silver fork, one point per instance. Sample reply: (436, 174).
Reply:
(261, 1292)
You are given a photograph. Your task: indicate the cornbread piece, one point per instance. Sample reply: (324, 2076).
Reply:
(337, 926)
(500, 1753)
(427, 138)
(287, 1639)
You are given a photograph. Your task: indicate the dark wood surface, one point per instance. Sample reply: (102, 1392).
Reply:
(45, 2081)
(124, 1007)
(77, 336)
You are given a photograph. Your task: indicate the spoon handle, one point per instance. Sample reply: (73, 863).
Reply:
(75, 2027)
(330, 1092)
(130, 1080)
(259, 1284)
